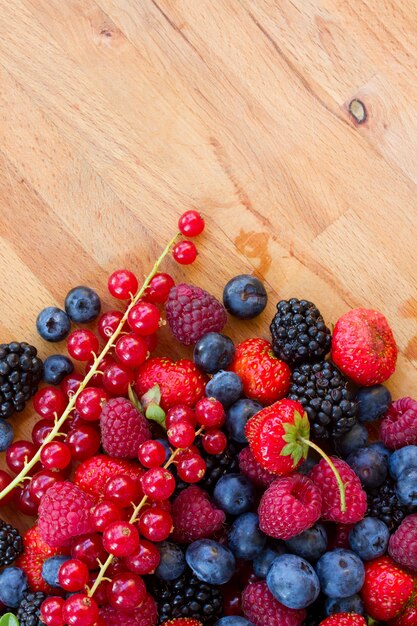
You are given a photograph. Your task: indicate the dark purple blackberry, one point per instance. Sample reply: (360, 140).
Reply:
(29, 609)
(10, 544)
(20, 373)
(383, 504)
(299, 334)
(218, 465)
(322, 391)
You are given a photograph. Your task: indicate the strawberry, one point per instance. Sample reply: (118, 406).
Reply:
(363, 347)
(265, 378)
(407, 617)
(344, 619)
(179, 382)
(386, 589)
(92, 475)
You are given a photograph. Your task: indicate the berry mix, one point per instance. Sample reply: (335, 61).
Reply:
(244, 486)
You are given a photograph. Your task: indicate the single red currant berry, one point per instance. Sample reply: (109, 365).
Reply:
(80, 610)
(104, 513)
(155, 524)
(126, 591)
(49, 402)
(97, 379)
(191, 468)
(24, 502)
(117, 566)
(117, 378)
(55, 455)
(51, 611)
(5, 480)
(191, 224)
(158, 483)
(209, 412)
(89, 549)
(90, 402)
(41, 430)
(81, 344)
(70, 384)
(108, 322)
(185, 452)
(75, 421)
(185, 252)
(100, 594)
(131, 350)
(159, 288)
(122, 490)
(83, 442)
(181, 434)
(19, 453)
(180, 413)
(145, 560)
(144, 318)
(41, 482)
(214, 441)
(151, 342)
(121, 539)
(123, 284)
(151, 453)
(73, 575)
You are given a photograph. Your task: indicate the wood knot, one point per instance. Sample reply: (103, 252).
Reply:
(105, 32)
(358, 111)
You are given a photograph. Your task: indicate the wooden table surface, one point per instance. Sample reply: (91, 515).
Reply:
(117, 115)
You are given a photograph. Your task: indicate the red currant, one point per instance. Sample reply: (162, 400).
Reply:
(55, 455)
(104, 513)
(51, 611)
(19, 453)
(89, 549)
(123, 284)
(41, 482)
(191, 468)
(144, 318)
(151, 453)
(90, 402)
(108, 322)
(24, 502)
(185, 252)
(151, 342)
(117, 566)
(155, 524)
(131, 350)
(83, 442)
(214, 441)
(145, 560)
(73, 575)
(159, 288)
(180, 413)
(127, 591)
(49, 402)
(70, 384)
(209, 412)
(100, 594)
(121, 539)
(191, 224)
(117, 378)
(158, 483)
(41, 430)
(81, 344)
(122, 490)
(5, 480)
(181, 434)
(97, 379)
(80, 610)
(75, 421)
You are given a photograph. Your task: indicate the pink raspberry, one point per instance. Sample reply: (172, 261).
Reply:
(194, 516)
(250, 467)
(123, 428)
(289, 506)
(145, 615)
(192, 312)
(399, 426)
(262, 609)
(356, 502)
(64, 512)
(403, 543)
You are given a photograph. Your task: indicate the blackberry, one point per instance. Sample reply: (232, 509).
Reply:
(10, 544)
(20, 373)
(187, 596)
(383, 504)
(322, 390)
(29, 610)
(315, 613)
(299, 334)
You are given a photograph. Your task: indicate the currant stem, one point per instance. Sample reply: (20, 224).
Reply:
(97, 360)
(332, 466)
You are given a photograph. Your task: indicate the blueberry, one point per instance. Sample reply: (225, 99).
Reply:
(263, 561)
(370, 464)
(234, 494)
(213, 352)
(351, 604)
(293, 581)
(53, 324)
(233, 620)
(373, 402)
(357, 437)
(166, 445)
(245, 539)
(369, 538)
(56, 367)
(172, 563)
(237, 416)
(210, 561)
(310, 544)
(378, 445)
(407, 487)
(245, 296)
(6, 435)
(82, 304)
(402, 459)
(13, 583)
(50, 569)
(341, 573)
(226, 387)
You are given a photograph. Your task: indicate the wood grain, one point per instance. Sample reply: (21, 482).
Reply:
(118, 115)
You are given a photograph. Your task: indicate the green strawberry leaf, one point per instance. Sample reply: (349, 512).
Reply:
(152, 396)
(155, 414)
(9, 620)
(134, 399)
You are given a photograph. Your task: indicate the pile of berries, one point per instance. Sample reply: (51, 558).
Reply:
(196, 492)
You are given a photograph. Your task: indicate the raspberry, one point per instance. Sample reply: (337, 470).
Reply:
(262, 609)
(145, 615)
(322, 475)
(250, 467)
(64, 512)
(194, 516)
(123, 429)
(403, 543)
(92, 475)
(192, 312)
(399, 426)
(182, 621)
(289, 506)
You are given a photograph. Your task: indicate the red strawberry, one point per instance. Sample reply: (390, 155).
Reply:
(179, 383)
(344, 619)
(407, 617)
(363, 347)
(386, 589)
(265, 378)
(123, 428)
(194, 516)
(92, 475)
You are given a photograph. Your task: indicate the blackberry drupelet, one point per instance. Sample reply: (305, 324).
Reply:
(218, 465)
(28, 612)
(383, 504)
(187, 596)
(10, 544)
(299, 334)
(20, 373)
(322, 390)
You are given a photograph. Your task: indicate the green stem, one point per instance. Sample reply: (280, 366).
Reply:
(71, 404)
(332, 466)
